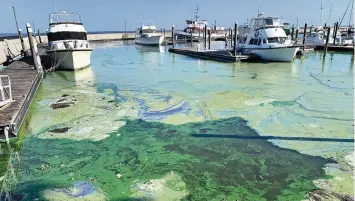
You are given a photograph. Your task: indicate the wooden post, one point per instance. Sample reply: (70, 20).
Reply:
(325, 25)
(209, 39)
(296, 37)
(292, 31)
(39, 37)
(161, 29)
(231, 36)
(172, 36)
(225, 40)
(235, 38)
(304, 35)
(335, 31)
(326, 43)
(164, 32)
(205, 31)
(32, 46)
(310, 29)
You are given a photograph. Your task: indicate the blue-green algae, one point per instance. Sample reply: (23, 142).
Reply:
(213, 169)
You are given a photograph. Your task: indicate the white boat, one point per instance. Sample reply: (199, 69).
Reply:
(67, 41)
(147, 35)
(266, 38)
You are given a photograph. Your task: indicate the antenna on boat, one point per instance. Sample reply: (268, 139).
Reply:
(330, 13)
(259, 11)
(321, 12)
(351, 14)
(196, 13)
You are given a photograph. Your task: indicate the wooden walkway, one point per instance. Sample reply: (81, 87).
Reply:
(337, 48)
(216, 55)
(25, 81)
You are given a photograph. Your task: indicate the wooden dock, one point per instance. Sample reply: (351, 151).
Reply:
(25, 81)
(216, 55)
(337, 48)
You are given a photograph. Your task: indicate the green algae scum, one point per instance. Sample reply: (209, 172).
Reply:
(136, 124)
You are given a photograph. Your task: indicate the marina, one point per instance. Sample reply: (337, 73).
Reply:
(253, 112)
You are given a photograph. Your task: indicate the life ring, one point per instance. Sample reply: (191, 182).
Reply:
(256, 34)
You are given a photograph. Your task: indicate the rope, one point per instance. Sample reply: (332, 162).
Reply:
(54, 66)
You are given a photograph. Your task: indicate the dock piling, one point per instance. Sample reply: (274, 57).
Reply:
(326, 43)
(231, 36)
(235, 38)
(172, 35)
(205, 31)
(335, 31)
(32, 46)
(292, 31)
(304, 36)
(296, 37)
(209, 39)
(225, 40)
(39, 36)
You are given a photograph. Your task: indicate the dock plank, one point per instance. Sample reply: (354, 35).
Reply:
(25, 81)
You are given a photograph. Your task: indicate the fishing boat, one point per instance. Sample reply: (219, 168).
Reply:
(194, 29)
(68, 46)
(266, 39)
(147, 35)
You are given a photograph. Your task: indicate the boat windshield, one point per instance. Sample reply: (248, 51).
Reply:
(66, 35)
(148, 31)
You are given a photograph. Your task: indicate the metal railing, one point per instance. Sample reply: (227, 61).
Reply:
(5, 90)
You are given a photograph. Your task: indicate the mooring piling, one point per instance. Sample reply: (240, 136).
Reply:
(205, 31)
(235, 38)
(39, 36)
(209, 39)
(326, 43)
(32, 46)
(292, 31)
(172, 35)
(304, 36)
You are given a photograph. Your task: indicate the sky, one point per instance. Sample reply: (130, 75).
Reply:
(109, 15)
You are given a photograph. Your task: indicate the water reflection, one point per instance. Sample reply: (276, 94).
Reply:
(79, 76)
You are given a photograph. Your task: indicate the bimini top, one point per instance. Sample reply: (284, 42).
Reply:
(148, 25)
(266, 22)
(64, 18)
(65, 22)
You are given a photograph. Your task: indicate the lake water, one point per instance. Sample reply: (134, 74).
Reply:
(134, 126)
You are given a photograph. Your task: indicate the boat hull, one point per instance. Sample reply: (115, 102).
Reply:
(151, 40)
(71, 59)
(285, 54)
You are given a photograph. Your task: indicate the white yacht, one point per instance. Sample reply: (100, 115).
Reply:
(266, 38)
(67, 41)
(147, 35)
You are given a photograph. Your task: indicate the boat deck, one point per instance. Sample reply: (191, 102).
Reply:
(25, 80)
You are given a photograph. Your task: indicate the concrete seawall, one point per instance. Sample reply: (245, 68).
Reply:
(15, 46)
